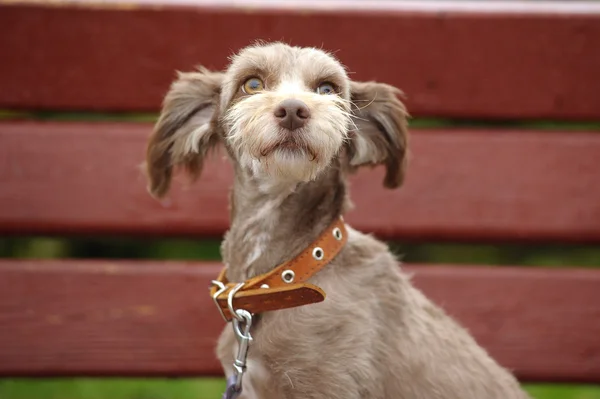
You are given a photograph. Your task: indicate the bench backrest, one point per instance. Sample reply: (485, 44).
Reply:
(504, 64)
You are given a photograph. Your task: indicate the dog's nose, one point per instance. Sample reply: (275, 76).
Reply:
(292, 114)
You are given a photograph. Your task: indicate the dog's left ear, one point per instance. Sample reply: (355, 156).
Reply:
(381, 134)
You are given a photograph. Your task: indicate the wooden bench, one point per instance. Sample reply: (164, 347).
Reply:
(504, 63)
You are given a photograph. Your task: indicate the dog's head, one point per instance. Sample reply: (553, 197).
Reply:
(284, 114)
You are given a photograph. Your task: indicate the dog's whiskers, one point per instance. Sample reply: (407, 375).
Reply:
(370, 102)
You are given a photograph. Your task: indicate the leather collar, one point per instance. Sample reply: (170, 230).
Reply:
(285, 286)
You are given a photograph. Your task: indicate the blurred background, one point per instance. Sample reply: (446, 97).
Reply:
(27, 246)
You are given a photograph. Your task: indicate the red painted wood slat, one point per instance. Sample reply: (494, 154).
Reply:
(478, 185)
(155, 318)
(452, 63)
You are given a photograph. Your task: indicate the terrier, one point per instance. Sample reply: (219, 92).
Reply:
(295, 127)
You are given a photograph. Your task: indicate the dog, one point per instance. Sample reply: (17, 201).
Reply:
(295, 127)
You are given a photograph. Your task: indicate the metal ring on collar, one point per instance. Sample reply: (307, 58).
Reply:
(337, 233)
(318, 253)
(288, 276)
(222, 288)
(245, 317)
(230, 296)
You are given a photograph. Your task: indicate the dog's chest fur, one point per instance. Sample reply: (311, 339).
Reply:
(285, 359)
(374, 337)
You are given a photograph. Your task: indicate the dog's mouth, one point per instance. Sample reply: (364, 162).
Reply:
(290, 144)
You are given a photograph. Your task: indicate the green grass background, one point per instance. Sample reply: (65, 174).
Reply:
(190, 249)
(193, 389)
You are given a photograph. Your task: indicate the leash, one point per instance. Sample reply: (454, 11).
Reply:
(283, 287)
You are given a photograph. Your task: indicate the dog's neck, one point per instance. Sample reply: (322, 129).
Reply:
(270, 225)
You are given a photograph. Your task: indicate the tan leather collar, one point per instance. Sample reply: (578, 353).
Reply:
(285, 286)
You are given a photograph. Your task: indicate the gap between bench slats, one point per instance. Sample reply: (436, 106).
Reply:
(84, 178)
(156, 318)
(451, 64)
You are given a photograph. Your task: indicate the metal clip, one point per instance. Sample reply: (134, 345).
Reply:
(242, 333)
(242, 322)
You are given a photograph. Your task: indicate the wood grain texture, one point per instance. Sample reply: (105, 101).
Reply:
(488, 64)
(156, 318)
(84, 178)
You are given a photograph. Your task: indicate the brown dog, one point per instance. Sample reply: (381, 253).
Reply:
(294, 127)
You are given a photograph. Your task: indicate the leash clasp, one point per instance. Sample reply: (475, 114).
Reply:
(242, 333)
(242, 323)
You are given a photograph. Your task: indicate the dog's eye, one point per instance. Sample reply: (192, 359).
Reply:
(253, 85)
(326, 88)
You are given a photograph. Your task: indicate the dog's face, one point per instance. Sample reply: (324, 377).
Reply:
(284, 113)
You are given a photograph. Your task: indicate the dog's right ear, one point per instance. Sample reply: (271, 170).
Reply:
(184, 132)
